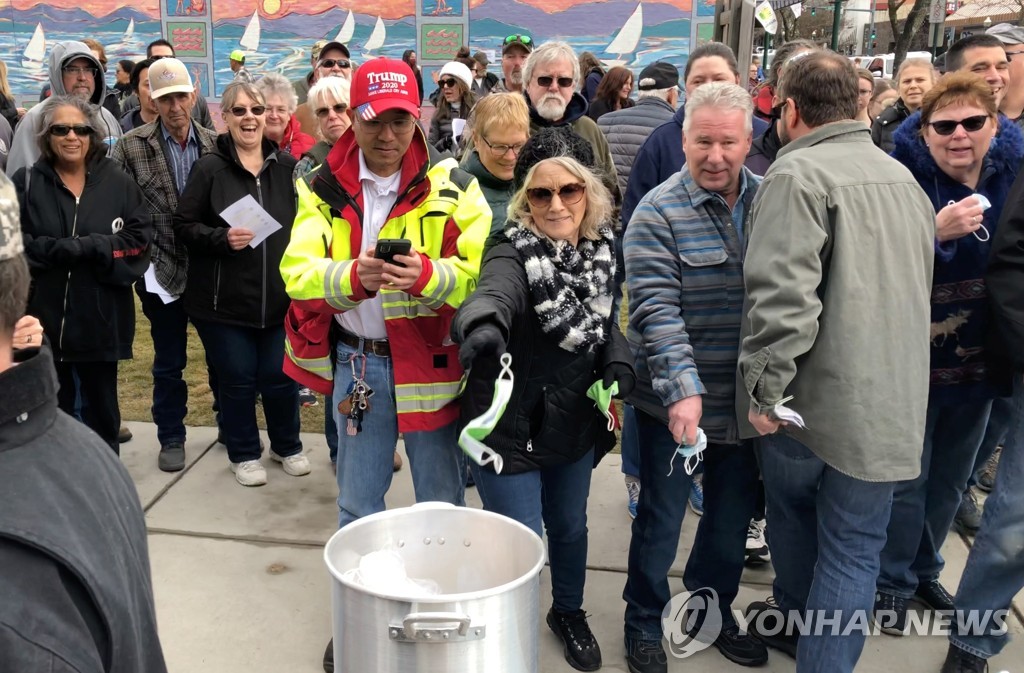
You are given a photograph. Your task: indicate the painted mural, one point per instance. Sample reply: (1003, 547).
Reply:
(277, 34)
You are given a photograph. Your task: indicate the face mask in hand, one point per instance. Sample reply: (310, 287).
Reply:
(692, 454)
(603, 400)
(470, 439)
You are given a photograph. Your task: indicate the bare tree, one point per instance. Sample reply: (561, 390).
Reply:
(912, 24)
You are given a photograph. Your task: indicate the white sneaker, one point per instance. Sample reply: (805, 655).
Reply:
(249, 473)
(296, 465)
(757, 545)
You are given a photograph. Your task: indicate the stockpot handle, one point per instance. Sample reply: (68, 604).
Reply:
(414, 618)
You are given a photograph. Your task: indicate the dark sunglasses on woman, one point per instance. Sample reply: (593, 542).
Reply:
(446, 82)
(61, 130)
(540, 197)
(947, 127)
(240, 111)
(339, 109)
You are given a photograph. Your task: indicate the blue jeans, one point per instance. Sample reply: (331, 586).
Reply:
(995, 433)
(995, 566)
(249, 361)
(826, 530)
(923, 508)
(716, 561)
(168, 326)
(366, 460)
(558, 495)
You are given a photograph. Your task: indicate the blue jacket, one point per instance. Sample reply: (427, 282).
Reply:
(684, 273)
(660, 157)
(960, 303)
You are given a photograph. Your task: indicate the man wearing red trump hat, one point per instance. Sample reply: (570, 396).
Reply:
(388, 320)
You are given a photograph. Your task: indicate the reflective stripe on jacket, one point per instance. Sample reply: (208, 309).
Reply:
(442, 211)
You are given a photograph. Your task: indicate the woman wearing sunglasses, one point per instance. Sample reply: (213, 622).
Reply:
(234, 294)
(456, 102)
(87, 235)
(329, 100)
(958, 148)
(545, 298)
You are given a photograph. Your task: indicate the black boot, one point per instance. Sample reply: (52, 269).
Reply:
(581, 649)
(961, 661)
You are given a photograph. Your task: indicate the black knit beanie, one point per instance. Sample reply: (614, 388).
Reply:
(551, 141)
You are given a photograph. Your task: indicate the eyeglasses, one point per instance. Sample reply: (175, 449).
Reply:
(240, 111)
(947, 127)
(501, 150)
(277, 109)
(522, 39)
(564, 82)
(397, 126)
(77, 70)
(331, 62)
(868, 92)
(339, 109)
(447, 82)
(1011, 54)
(61, 130)
(540, 197)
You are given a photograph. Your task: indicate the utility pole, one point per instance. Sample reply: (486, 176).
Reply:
(837, 19)
(871, 38)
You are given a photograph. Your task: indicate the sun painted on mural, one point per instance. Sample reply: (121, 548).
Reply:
(277, 35)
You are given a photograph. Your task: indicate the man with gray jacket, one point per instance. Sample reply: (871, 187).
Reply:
(627, 129)
(836, 328)
(74, 71)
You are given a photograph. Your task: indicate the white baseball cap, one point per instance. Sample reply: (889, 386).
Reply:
(169, 75)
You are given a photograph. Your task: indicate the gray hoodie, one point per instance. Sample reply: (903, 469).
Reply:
(25, 148)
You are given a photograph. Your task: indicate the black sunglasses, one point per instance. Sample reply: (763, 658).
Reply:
(240, 111)
(446, 82)
(522, 39)
(569, 194)
(331, 62)
(338, 108)
(61, 130)
(564, 82)
(947, 127)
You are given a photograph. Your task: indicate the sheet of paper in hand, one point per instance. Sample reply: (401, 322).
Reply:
(783, 413)
(247, 213)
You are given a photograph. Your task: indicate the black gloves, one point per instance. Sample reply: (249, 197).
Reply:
(623, 373)
(71, 250)
(485, 339)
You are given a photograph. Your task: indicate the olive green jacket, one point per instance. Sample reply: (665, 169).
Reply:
(838, 274)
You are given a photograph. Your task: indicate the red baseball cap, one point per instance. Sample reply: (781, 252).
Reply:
(384, 84)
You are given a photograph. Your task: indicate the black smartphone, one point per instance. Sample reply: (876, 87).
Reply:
(387, 248)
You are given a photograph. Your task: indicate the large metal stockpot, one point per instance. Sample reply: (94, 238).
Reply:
(485, 618)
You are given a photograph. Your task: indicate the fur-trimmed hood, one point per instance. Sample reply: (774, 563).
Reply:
(1004, 155)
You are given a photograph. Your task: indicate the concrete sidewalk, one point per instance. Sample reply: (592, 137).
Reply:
(241, 585)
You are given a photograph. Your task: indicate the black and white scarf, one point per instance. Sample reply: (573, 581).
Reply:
(570, 285)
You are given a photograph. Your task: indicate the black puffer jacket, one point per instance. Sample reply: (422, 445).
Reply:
(241, 287)
(549, 421)
(885, 125)
(84, 258)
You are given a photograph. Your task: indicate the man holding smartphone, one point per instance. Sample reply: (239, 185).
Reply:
(396, 368)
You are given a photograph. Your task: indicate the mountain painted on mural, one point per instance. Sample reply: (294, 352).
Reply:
(49, 15)
(582, 18)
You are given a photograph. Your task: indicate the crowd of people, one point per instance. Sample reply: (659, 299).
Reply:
(808, 239)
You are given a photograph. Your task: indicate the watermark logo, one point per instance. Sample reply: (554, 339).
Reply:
(691, 622)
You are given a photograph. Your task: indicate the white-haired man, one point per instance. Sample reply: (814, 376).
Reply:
(684, 270)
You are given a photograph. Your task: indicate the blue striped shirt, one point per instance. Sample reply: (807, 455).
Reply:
(182, 158)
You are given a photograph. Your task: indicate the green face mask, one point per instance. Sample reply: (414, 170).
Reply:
(471, 437)
(603, 399)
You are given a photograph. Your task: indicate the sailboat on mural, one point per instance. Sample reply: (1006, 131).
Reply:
(377, 37)
(250, 39)
(347, 29)
(35, 52)
(129, 39)
(626, 41)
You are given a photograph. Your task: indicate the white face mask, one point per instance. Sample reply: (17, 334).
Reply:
(470, 439)
(692, 454)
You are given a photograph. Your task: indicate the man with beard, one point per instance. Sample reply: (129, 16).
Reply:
(514, 51)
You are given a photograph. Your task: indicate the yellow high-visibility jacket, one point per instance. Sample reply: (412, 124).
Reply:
(442, 210)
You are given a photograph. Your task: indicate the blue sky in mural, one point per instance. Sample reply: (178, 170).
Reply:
(284, 42)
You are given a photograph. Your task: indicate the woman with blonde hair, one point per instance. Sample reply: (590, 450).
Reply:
(545, 296)
(865, 91)
(500, 124)
(914, 79)
(329, 101)
(8, 108)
